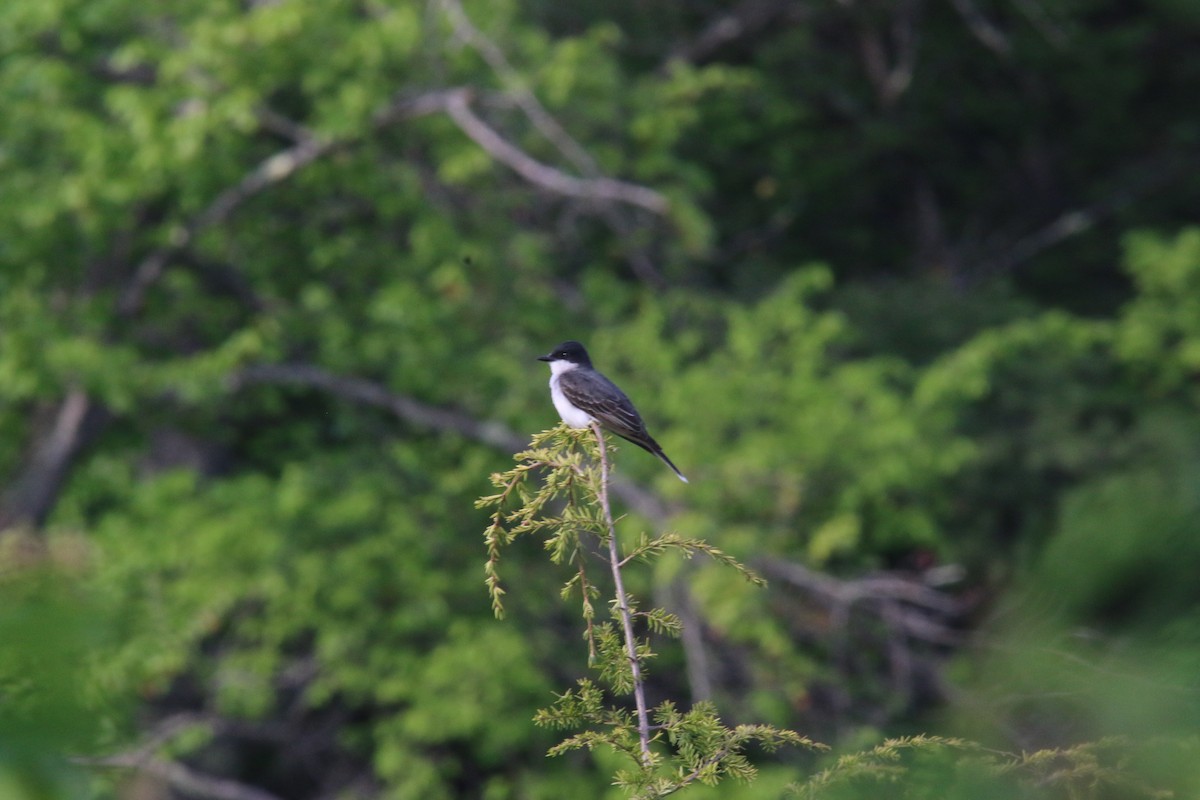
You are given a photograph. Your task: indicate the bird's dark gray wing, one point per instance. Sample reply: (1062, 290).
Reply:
(590, 391)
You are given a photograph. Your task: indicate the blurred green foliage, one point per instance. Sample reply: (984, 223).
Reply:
(947, 319)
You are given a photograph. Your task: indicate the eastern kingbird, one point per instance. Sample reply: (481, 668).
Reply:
(582, 395)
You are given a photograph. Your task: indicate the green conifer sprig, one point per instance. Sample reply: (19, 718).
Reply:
(924, 766)
(558, 490)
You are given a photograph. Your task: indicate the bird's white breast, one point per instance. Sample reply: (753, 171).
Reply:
(575, 417)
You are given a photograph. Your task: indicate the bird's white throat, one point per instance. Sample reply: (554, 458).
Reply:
(575, 417)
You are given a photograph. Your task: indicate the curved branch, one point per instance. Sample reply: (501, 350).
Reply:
(372, 394)
(918, 610)
(186, 780)
(601, 189)
(271, 171)
(414, 412)
(546, 124)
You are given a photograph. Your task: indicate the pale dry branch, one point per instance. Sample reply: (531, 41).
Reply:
(183, 779)
(275, 169)
(982, 28)
(919, 611)
(35, 492)
(891, 74)
(747, 19)
(600, 189)
(516, 87)
(1052, 31)
(422, 415)
(907, 620)
(614, 560)
(1136, 182)
(372, 394)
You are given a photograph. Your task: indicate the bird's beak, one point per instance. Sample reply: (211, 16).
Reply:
(545, 358)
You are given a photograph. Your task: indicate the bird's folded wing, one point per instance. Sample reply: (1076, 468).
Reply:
(601, 398)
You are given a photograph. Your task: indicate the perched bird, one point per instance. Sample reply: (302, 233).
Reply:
(582, 395)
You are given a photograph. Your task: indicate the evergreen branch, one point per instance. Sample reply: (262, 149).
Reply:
(689, 547)
(494, 537)
(881, 763)
(710, 751)
(1079, 771)
(573, 470)
(662, 621)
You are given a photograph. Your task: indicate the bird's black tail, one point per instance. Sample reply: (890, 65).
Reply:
(650, 446)
(663, 456)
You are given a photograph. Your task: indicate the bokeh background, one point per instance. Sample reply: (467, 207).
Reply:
(910, 289)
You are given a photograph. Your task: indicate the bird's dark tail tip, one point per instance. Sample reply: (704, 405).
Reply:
(674, 468)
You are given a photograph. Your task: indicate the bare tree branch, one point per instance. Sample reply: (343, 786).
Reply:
(984, 30)
(880, 585)
(896, 626)
(599, 189)
(309, 148)
(641, 264)
(422, 415)
(1053, 32)
(542, 120)
(31, 499)
(273, 170)
(270, 172)
(372, 394)
(891, 80)
(748, 18)
(1142, 179)
(184, 779)
(921, 612)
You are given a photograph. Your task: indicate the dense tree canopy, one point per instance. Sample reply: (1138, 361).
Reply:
(909, 290)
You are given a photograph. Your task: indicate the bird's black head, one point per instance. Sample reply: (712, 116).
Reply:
(568, 351)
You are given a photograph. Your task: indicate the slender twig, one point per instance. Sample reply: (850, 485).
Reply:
(736, 25)
(614, 555)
